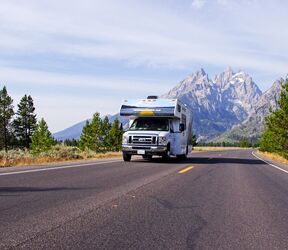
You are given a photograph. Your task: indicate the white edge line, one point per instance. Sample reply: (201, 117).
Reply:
(56, 168)
(272, 165)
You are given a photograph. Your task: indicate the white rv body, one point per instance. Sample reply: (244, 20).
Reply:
(157, 127)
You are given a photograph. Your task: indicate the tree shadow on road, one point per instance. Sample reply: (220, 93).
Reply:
(205, 161)
(224, 160)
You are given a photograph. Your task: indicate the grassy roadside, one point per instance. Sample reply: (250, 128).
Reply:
(273, 156)
(216, 148)
(58, 154)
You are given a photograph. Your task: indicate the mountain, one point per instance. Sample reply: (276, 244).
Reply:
(253, 126)
(227, 107)
(72, 132)
(217, 104)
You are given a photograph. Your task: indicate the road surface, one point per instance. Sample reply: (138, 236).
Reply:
(213, 200)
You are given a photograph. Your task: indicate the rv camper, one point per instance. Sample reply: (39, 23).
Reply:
(160, 127)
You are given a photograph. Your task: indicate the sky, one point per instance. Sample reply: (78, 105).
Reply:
(76, 57)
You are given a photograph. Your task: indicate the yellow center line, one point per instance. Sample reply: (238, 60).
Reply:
(185, 170)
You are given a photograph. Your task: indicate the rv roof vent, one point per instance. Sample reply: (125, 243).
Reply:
(152, 97)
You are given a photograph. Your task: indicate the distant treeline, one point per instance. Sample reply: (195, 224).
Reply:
(275, 137)
(20, 129)
(100, 135)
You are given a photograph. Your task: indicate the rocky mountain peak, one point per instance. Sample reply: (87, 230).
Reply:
(223, 78)
(202, 71)
(198, 77)
(227, 100)
(276, 87)
(269, 98)
(194, 82)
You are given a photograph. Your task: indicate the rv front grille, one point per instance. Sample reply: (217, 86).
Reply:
(141, 147)
(143, 140)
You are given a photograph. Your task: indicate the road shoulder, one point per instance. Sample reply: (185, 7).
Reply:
(280, 166)
(58, 165)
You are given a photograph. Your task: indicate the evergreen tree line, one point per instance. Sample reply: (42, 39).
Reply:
(20, 129)
(275, 137)
(100, 135)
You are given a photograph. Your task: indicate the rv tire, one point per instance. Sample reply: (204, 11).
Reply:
(127, 157)
(166, 155)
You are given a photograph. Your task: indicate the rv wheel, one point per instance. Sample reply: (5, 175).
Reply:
(166, 155)
(126, 157)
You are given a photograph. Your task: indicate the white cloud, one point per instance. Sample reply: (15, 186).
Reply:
(44, 79)
(198, 4)
(111, 31)
(224, 2)
(248, 34)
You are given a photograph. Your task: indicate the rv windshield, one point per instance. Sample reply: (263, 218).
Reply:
(155, 124)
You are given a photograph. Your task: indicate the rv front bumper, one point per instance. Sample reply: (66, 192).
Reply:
(144, 150)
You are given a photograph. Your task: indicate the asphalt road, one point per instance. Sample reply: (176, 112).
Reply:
(221, 200)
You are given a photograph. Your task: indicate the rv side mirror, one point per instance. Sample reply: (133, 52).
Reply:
(181, 127)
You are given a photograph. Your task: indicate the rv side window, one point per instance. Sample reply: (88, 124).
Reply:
(178, 108)
(184, 120)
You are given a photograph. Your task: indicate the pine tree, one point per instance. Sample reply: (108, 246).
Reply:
(193, 140)
(267, 141)
(275, 136)
(42, 139)
(71, 142)
(6, 114)
(85, 138)
(25, 122)
(96, 138)
(244, 143)
(104, 131)
(114, 138)
(91, 134)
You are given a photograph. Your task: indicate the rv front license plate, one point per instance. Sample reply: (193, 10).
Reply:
(141, 152)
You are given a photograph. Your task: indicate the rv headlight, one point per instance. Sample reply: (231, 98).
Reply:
(162, 140)
(125, 139)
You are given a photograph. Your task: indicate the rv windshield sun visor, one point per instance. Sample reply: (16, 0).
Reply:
(146, 107)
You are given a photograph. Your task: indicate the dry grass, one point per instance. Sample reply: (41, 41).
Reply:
(273, 157)
(59, 153)
(215, 148)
